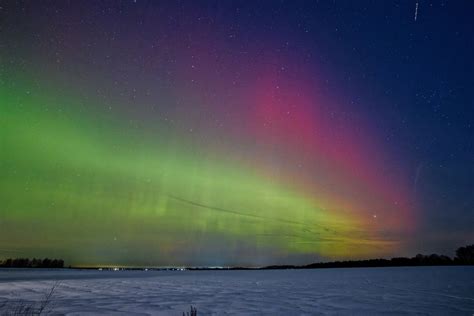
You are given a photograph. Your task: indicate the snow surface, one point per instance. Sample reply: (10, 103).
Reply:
(371, 291)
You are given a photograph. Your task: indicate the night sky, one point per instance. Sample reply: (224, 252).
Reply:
(235, 132)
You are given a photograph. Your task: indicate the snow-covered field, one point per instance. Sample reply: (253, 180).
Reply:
(394, 291)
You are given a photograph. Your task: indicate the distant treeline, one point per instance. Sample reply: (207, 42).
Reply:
(33, 263)
(464, 256)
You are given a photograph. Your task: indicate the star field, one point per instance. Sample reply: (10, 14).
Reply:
(245, 133)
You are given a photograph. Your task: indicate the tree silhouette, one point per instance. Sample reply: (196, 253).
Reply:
(465, 255)
(34, 263)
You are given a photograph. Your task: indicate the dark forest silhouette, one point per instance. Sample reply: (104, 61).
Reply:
(33, 263)
(464, 256)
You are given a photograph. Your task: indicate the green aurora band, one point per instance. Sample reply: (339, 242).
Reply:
(89, 188)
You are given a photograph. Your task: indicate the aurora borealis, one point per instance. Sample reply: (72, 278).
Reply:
(146, 133)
